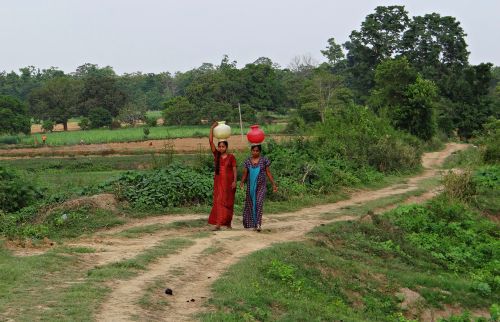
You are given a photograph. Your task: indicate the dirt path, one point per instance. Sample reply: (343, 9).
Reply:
(199, 269)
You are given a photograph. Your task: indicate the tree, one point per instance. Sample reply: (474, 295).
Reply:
(418, 117)
(56, 100)
(324, 91)
(392, 78)
(179, 111)
(333, 52)
(100, 89)
(262, 89)
(99, 117)
(14, 116)
(407, 99)
(435, 46)
(380, 38)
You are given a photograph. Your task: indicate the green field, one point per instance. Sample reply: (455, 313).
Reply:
(129, 134)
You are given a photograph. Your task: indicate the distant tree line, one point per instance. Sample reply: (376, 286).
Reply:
(412, 71)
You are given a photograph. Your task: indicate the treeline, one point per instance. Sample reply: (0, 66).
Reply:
(414, 71)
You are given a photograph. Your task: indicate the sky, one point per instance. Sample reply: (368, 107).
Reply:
(153, 36)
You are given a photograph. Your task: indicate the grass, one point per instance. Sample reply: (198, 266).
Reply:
(150, 229)
(345, 271)
(467, 158)
(96, 136)
(154, 114)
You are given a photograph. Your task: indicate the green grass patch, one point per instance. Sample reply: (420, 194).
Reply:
(150, 229)
(58, 224)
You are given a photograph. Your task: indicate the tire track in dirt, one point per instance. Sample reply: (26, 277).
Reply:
(121, 304)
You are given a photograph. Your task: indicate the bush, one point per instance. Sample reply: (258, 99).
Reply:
(48, 125)
(146, 132)
(172, 186)
(10, 139)
(357, 134)
(15, 192)
(151, 121)
(115, 125)
(84, 123)
(99, 117)
(459, 186)
(489, 141)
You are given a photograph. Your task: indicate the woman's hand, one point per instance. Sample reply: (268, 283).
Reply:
(275, 188)
(214, 125)
(242, 185)
(233, 185)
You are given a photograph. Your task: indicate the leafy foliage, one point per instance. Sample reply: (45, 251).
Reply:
(172, 186)
(14, 117)
(455, 236)
(99, 117)
(15, 192)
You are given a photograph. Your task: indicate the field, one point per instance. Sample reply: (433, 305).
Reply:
(98, 136)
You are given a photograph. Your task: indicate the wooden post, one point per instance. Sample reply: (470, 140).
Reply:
(241, 123)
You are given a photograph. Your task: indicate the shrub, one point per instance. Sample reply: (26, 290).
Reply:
(459, 186)
(10, 139)
(172, 186)
(146, 132)
(115, 124)
(151, 121)
(15, 192)
(489, 141)
(357, 134)
(84, 123)
(48, 125)
(99, 117)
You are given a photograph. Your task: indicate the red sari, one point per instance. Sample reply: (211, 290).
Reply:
(223, 201)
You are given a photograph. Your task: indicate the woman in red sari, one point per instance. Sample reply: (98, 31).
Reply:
(224, 184)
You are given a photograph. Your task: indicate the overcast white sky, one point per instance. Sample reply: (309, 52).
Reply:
(168, 35)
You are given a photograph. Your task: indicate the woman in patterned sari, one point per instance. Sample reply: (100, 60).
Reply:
(224, 184)
(256, 169)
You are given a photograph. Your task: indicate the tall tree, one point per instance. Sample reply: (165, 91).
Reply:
(100, 89)
(435, 46)
(378, 39)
